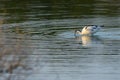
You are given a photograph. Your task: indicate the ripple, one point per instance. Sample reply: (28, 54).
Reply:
(68, 34)
(110, 33)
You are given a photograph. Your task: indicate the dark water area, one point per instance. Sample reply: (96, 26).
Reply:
(37, 40)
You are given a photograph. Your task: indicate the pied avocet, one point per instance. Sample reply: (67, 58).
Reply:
(89, 30)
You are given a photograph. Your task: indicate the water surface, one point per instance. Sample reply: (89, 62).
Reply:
(37, 40)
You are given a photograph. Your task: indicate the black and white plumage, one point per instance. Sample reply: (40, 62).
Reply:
(89, 30)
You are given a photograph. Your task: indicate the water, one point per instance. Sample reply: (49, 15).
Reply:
(37, 40)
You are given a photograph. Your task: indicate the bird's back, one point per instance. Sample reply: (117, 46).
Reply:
(89, 30)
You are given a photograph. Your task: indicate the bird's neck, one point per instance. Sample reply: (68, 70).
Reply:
(78, 32)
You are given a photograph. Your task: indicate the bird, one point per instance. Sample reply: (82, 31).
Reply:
(88, 30)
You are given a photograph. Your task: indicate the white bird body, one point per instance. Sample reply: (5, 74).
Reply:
(89, 30)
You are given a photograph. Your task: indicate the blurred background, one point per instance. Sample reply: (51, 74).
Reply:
(37, 40)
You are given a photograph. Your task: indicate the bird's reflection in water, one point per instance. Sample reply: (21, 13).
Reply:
(89, 41)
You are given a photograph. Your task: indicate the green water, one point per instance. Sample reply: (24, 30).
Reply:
(37, 40)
